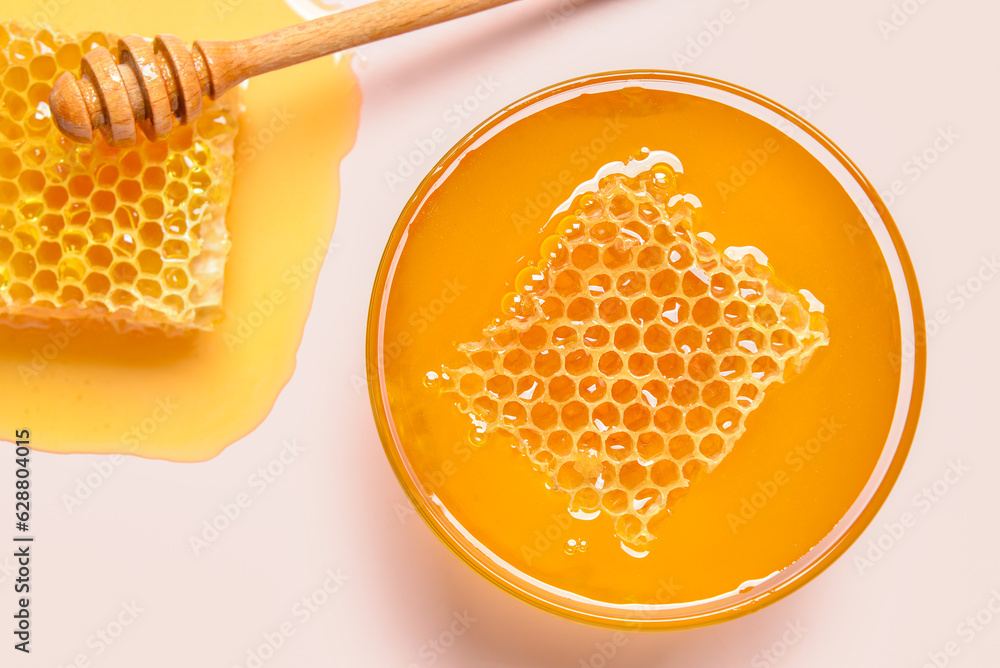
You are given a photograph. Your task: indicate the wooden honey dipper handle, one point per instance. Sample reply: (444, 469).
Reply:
(150, 85)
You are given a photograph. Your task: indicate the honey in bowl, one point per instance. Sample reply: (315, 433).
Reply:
(635, 350)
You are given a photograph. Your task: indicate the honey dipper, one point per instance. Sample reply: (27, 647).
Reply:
(150, 84)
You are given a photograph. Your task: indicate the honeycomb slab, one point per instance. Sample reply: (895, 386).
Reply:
(627, 359)
(135, 237)
(181, 376)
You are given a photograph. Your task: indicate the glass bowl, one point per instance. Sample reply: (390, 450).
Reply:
(757, 593)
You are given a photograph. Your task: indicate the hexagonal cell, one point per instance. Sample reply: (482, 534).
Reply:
(610, 363)
(544, 415)
(16, 78)
(680, 256)
(645, 311)
(732, 367)
(513, 414)
(706, 312)
(6, 249)
(606, 416)
(482, 360)
(560, 443)
(675, 310)
(529, 388)
(31, 182)
(701, 367)
(783, 342)
(649, 448)
(175, 249)
(592, 388)
(55, 197)
(562, 388)
(568, 477)
(694, 469)
(612, 310)
(712, 446)
(693, 284)
(664, 283)
(599, 285)
(615, 501)
(750, 340)
(728, 420)
(471, 383)
(722, 285)
(575, 415)
(626, 337)
(687, 340)
(620, 207)
(48, 253)
(618, 446)
(650, 257)
(735, 313)
(603, 231)
(632, 474)
(630, 283)
(698, 419)
(498, 387)
(646, 501)
(715, 394)
(585, 256)
(551, 307)
(670, 365)
(636, 417)
(128, 190)
(26, 236)
(580, 310)
(596, 336)
(641, 365)
(103, 201)
(124, 273)
(547, 362)
(719, 340)
(684, 392)
(750, 290)
(22, 265)
(578, 362)
(175, 278)
(615, 258)
(622, 391)
(151, 235)
(764, 368)
(100, 230)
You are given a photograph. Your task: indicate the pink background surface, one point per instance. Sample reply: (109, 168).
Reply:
(335, 505)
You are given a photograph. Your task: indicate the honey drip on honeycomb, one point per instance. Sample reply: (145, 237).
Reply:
(133, 236)
(628, 358)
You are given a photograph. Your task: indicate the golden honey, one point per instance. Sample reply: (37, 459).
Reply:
(632, 353)
(462, 351)
(153, 298)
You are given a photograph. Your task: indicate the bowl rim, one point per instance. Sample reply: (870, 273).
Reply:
(640, 622)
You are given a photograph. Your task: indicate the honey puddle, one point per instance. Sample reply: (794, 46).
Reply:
(85, 387)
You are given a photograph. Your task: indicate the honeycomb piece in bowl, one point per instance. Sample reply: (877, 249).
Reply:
(135, 236)
(627, 360)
